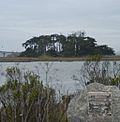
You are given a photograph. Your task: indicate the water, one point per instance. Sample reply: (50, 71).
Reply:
(60, 74)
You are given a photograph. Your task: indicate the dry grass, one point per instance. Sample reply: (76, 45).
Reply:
(48, 58)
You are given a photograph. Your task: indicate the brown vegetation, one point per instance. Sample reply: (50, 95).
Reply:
(49, 58)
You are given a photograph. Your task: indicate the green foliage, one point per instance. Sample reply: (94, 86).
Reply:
(94, 58)
(104, 72)
(76, 44)
(24, 98)
(116, 81)
(104, 50)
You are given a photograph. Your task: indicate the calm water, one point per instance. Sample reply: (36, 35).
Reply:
(60, 74)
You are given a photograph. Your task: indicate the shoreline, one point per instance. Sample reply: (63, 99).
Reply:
(66, 59)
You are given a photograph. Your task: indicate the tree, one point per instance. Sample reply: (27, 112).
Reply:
(69, 47)
(104, 50)
(75, 44)
(87, 46)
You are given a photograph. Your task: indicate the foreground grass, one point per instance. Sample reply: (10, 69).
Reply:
(48, 58)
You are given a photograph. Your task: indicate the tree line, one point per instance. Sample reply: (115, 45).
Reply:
(75, 44)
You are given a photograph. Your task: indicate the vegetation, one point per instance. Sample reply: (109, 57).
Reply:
(26, 99)
(95, 70)
(50, 58)
(73, 45)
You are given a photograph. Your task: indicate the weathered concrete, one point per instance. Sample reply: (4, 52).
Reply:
(96, 103)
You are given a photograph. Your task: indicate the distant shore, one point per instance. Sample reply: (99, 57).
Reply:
(47, 58)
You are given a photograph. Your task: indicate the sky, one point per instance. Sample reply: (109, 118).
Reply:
(21, 20)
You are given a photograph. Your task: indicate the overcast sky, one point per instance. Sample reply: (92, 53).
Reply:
(22, 19)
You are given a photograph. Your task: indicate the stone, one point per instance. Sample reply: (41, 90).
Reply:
(95, 103)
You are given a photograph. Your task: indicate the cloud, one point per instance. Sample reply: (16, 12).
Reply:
(25, 18)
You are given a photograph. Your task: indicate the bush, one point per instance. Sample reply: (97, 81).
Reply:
(24, 98)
